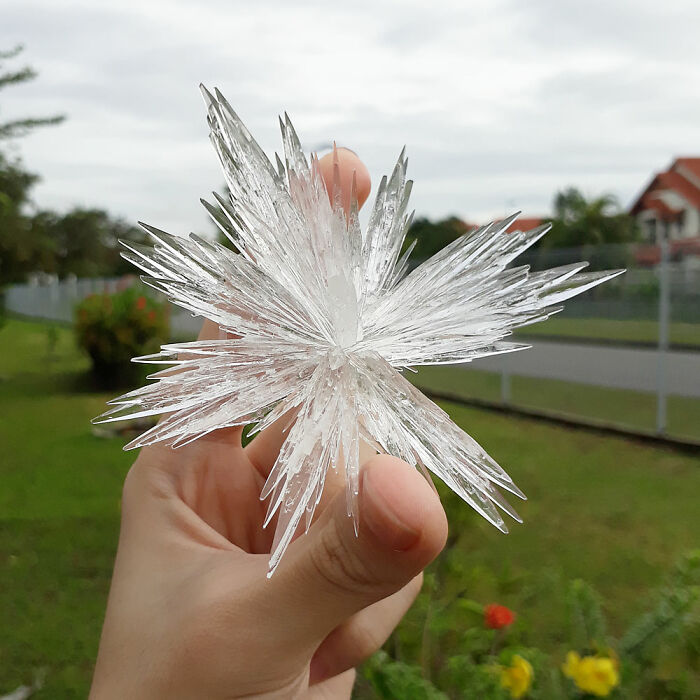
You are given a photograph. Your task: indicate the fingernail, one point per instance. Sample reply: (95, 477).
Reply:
(385, 524)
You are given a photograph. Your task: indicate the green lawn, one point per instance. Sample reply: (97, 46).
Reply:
(59, 513)
(604, 329)
(619, 407)
(606, 509)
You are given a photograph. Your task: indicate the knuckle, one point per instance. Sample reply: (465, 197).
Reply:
(145, 476)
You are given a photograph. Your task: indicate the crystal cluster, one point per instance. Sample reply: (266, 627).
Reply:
(320, 320)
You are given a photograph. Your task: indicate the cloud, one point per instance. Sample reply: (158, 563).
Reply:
(500, 103)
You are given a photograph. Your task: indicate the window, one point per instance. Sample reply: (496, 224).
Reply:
(650, 230)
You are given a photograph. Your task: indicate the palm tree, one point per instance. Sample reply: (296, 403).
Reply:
(580, 221)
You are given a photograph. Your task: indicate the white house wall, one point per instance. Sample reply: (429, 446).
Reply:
(688, 175)
(691, 228)
(672, 199)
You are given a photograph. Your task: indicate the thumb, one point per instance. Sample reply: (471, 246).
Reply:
(331, 573)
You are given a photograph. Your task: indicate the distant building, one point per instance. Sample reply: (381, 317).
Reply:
(669, 206)
(527, 223)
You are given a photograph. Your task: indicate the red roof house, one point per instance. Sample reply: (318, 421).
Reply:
(669, 206)
(526, 223)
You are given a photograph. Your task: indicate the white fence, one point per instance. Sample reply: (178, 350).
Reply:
(55, 301)
(663, 294)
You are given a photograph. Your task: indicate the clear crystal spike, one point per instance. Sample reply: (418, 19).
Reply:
(324, 317)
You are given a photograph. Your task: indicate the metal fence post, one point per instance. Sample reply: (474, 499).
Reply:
(505, 386)
(663, 329)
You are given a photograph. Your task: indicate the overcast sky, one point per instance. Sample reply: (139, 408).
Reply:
(499, 102)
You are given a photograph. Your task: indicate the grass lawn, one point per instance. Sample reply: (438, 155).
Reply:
(605, 509)
(613, 330)
(59, 513)
(621, 407)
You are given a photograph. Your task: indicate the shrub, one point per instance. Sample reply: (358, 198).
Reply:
(489, 658)
(113, 328)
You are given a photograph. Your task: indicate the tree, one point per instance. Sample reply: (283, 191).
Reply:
(16, 246)
(432, 236)
(82, 242)
(579, 221)
(20, 127)
(20, 249)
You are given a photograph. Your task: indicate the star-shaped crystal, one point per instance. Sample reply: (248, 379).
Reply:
(320, 318)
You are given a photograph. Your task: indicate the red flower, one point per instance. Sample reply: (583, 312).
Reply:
(141, 303)
(151, 316)
(498, 616)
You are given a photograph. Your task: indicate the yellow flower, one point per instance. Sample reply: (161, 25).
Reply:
(570, 666)
(593, 674)
(517, 678)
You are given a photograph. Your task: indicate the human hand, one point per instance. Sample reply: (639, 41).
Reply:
(191, 613)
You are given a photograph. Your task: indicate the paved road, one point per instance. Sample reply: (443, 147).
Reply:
(620, 367)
